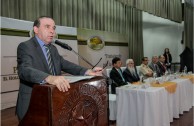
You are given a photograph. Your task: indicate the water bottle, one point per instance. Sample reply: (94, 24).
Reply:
(169, 71)
(185, 69)
(155, 74)
(141, 79)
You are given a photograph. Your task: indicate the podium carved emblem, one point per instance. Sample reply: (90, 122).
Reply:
(83, 107)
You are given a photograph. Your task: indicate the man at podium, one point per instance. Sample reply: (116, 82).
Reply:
(39, 62)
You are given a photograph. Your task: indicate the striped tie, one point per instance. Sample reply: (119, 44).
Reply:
(50, 63)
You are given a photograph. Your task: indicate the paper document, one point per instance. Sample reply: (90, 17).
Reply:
(73, 79)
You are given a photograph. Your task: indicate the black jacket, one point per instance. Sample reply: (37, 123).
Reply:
(117, 80)
(162, 68)
(129, 77)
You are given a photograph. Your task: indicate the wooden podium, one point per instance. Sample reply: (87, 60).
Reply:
(85, 104)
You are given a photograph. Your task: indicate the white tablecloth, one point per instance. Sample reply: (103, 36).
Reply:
(183, 97)
(112, 107)
(153, 106)
(142, 107)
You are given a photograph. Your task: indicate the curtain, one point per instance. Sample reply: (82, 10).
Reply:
(188, 23)
(134, 26)
(26, 9)
(169, 9)
(105, 15)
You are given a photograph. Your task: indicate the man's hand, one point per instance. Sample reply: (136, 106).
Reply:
(97, 71)
(61, 83)
(150, 74)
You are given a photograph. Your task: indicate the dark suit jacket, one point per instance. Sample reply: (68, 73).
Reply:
(155, 68)
(129, 77)
(33, 68)
(161, 67)
(117, 80)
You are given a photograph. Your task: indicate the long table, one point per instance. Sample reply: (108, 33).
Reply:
(153, 106)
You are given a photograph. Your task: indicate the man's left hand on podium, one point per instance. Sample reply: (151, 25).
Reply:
(96, 71)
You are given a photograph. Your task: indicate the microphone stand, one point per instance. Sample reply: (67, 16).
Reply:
(83, 58)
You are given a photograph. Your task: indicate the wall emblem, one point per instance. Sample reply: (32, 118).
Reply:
(95, 43)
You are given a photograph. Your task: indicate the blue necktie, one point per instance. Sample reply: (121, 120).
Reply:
(50, 63)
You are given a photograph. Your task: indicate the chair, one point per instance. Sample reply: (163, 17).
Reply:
(108, 71)
(123, 68)
(108, 74)
(138, 70)
(112, 100)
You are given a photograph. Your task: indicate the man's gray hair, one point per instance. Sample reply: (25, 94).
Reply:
(154, 56)
(128, 60)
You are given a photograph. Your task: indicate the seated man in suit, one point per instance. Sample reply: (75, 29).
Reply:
(153, 65)
(130, 73)
(144, 69)
(116, 75)
(161, 64)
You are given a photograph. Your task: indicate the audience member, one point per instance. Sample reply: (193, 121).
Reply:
(161, 64)
(130, 73)
(168, 58)
(144, 69)
(116, 75)
(153, 65)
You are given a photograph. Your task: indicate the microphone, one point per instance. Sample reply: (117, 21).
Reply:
(63, 45)
(66, 46)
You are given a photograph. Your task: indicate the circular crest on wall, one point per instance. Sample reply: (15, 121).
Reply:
(95, 43)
